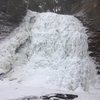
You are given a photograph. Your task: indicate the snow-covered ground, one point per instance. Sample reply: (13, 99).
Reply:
(13, 90)
(48, 53)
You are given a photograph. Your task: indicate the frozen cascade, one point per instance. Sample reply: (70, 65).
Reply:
(59, 49)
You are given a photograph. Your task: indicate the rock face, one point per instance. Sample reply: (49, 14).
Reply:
(91, 19)
(17, 9)
(11, 14)
(58, 6)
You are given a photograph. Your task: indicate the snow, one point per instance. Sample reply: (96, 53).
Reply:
(13, 90)
(56, 58)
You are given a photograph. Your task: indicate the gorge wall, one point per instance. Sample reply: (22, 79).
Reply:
(11, 14)
(91, 18)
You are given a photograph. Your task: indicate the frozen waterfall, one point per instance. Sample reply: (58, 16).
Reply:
(55, 56)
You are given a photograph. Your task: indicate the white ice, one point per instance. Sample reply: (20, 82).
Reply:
(57, 57)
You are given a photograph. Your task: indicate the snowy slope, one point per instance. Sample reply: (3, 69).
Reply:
(55, 60)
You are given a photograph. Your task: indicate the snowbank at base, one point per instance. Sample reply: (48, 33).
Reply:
(56, 57)
(13, 90)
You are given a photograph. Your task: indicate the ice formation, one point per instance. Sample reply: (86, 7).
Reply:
(57, 52)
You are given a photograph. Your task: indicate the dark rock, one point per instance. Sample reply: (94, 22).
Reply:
(59, 96)
(91, 19)
(98, 68)
(11, 14)
(3, 5)
(17, 9)
(55, 96)
(58, 6)
(98, 72)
